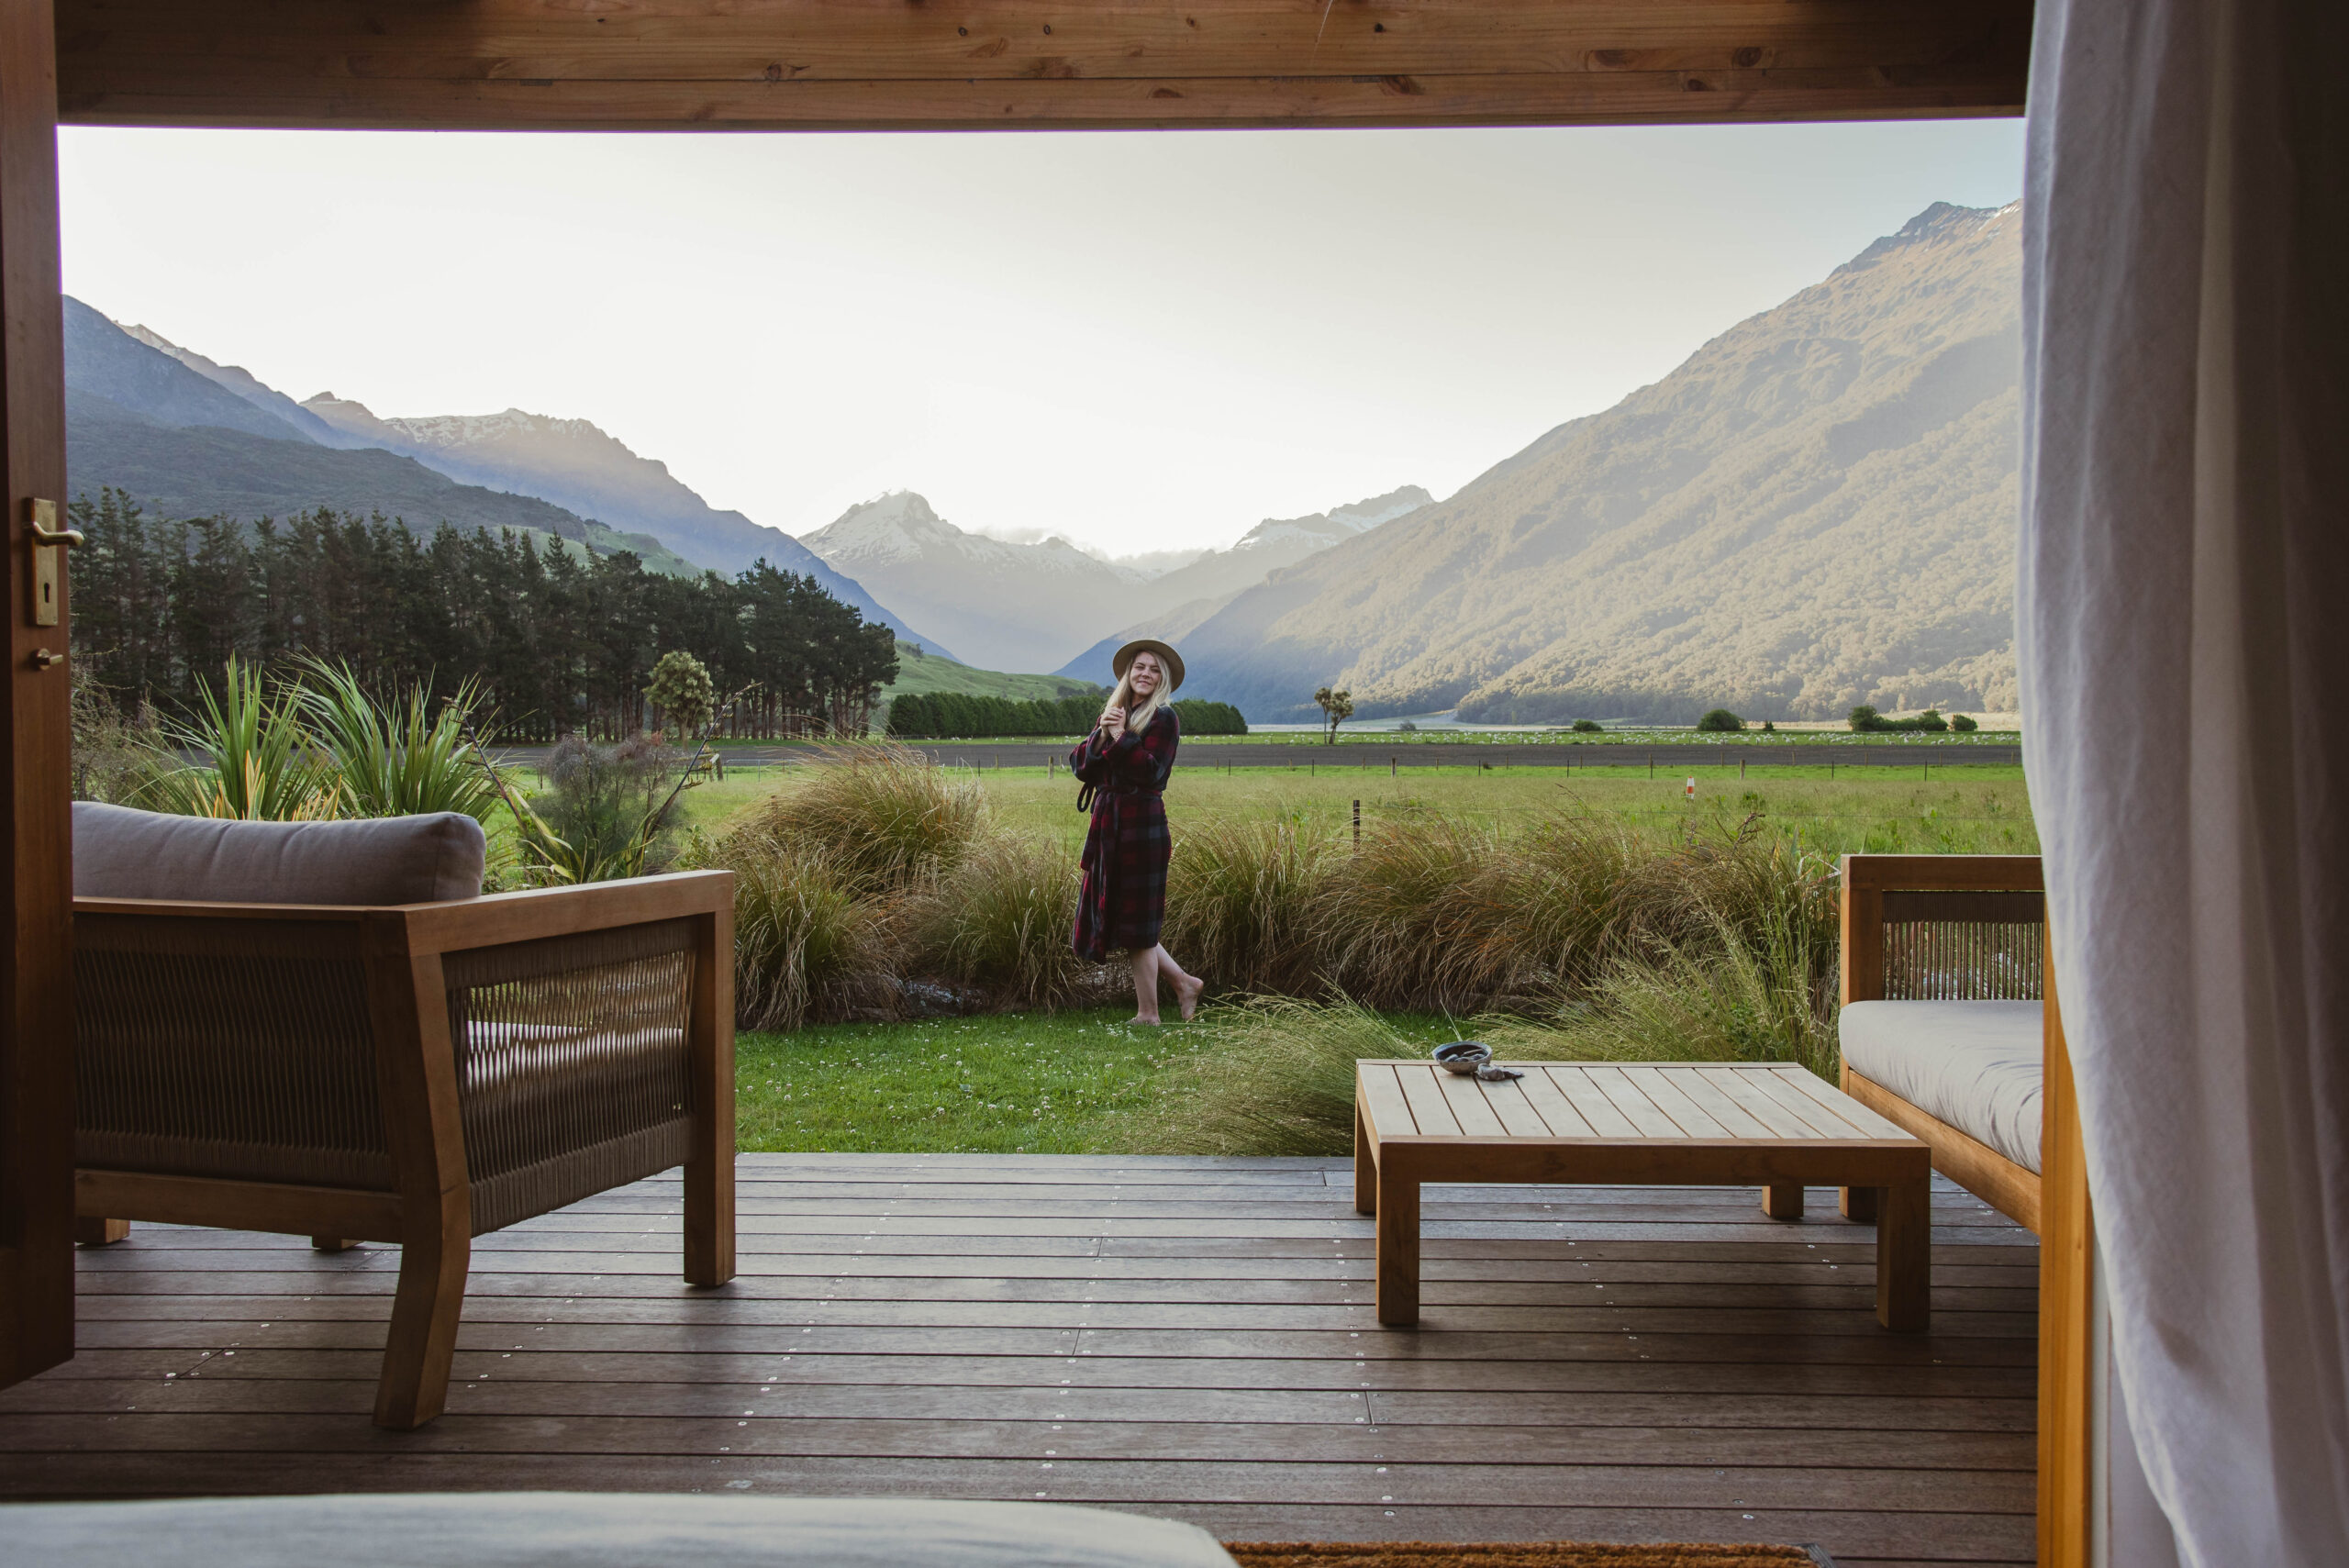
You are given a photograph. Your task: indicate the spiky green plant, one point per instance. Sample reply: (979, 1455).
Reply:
(259, 762)
(396, 759)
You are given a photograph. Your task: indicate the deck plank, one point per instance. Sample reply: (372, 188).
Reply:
(1189, 1338)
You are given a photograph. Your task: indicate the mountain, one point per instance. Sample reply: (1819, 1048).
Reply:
(1817, 509)
(1175, 602)
(1004, 605)
(176, 431)
(241, 381)
(177, 440)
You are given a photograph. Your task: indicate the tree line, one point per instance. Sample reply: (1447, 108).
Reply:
(936, 715)
(559, 645)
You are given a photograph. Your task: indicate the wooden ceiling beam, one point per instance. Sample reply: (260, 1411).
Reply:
(993, 64)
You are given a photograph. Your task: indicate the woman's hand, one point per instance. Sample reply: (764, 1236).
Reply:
(1113, 720)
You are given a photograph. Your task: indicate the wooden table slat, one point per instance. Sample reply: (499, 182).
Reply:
(1465, 1098)
(1389, 1110)
(1779, 1086)
(1587, 1097)
(1782, 1122)
(1663, 1090)
(1428, 1108)
(1740, 1122)
(1516, 1113)
(1870, 1124)
(1642, 1112)
(1540, 1091)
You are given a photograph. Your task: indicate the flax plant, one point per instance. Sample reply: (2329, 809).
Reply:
(396, 760)
(260, 764)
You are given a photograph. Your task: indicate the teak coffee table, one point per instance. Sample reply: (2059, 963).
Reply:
(1704, 1124)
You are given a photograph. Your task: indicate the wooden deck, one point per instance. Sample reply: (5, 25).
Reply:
(1187, 1337)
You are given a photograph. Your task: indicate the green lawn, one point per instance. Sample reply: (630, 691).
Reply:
(1976, 809)
(1074, 1082)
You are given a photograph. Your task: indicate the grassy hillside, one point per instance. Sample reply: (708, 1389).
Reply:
(929, 673)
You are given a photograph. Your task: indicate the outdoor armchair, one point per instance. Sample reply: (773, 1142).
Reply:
(1943, 1026)
(312, 1028)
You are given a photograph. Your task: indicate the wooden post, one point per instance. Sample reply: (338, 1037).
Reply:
(37, 1227)
(1904, 1256)
(1397, 1268)
(2066, 1304)
(709, 1168)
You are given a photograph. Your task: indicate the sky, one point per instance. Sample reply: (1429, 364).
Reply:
(1140, 341)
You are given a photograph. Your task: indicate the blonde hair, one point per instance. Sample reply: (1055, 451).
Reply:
(1137, 719)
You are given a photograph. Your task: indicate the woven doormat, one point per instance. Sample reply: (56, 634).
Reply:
(1514, 1555)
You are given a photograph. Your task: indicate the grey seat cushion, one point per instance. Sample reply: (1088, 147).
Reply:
(122, 853)
(563, 1530)
(1976, 1066)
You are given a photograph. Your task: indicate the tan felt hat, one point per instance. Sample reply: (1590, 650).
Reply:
(1170, 660)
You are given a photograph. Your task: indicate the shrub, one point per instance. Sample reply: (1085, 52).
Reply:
(1720, 720)
(113, 755)
(1769, 727)
(1961, 724)
(1587, 727)
(610, 811)
(1931, 719)
(1000, 920)
(1238, 902)
(1864, 717)
(887, 818)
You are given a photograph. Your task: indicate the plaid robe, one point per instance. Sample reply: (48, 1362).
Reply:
(1123, 900)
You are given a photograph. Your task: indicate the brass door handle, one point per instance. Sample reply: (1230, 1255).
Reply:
(44, 534)
(44, 660)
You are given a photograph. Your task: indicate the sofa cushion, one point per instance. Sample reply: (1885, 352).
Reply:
(1976, 1066)
(122, 853)
(542, 1529)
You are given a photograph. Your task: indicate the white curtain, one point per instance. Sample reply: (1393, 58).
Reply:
(2183, 639)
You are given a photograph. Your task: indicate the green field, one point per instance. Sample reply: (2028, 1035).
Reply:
(1974, 809)
(1977, 809)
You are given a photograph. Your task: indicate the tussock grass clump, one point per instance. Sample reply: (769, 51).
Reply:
(1239, 897)
(1000, 920)
(888, 819)
(1419, 916)
(806, 947)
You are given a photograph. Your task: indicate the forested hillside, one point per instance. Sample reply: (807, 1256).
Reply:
(951, 715)
(561, 644)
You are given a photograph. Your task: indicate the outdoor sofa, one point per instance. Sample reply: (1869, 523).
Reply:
(324, 1028)
(1943, 1028)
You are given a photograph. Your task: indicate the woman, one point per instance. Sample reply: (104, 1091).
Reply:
(1124, 764)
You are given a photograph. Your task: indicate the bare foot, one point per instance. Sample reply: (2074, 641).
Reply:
(1186, 993)
(1138, 1019)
